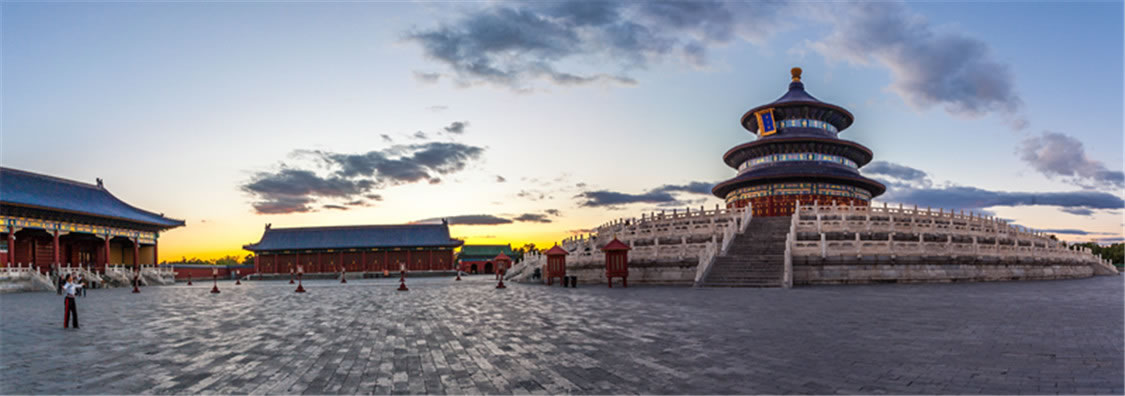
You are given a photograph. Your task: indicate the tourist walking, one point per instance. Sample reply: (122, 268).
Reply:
(71, 309)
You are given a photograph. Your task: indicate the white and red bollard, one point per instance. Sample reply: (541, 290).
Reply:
(189, 280)
(237, 277)
(501, 276)
(136, 281)
(300, 287)
(291, 276)
(344, 276)
(402, 278)
(215, 279)
(458, 274)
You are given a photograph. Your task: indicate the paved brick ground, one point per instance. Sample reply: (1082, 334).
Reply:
(446, 337)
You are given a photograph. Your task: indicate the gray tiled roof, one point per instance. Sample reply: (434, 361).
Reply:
(27, 189)
(348, 237)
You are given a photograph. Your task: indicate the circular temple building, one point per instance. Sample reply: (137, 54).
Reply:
(797, 157)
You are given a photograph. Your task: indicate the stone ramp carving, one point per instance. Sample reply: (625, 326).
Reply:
(756, 257)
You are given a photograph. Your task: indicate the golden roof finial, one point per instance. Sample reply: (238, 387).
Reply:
(796, 72)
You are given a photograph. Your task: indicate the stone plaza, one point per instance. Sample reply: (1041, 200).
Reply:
(447, 337)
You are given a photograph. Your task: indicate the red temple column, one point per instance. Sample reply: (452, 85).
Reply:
(386, 263)
(256, 270)
(319, 262)
(11, 246)
(408, 262)
(55, 248)
(155, 257)
(342, 263)
(363, 259)
(431, 260)
(136, 254)
(105, 258)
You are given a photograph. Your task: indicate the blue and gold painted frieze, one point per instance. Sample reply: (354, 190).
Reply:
(807, 123)
(775, 189)
(775, 158)
(67, 227)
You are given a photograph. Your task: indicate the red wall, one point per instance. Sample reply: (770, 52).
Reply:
(363, 261)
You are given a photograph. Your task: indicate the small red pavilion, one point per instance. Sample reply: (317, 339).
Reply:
(616, 262)
(503, 262)
(556, 264)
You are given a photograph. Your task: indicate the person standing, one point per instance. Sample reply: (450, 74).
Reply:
(81, 281)
(71, 309)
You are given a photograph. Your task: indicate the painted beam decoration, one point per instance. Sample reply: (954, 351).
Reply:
(63, 226)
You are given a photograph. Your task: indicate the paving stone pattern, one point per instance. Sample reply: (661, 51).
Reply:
(446, 337)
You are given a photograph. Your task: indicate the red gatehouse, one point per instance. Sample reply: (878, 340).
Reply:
(797, 157)
(51, 221)
(365, 248)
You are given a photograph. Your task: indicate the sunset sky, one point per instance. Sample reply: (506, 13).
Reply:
(528, 122)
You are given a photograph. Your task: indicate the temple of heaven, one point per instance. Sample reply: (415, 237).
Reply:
(796, 157)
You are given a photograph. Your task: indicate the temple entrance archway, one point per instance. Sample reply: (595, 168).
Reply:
(488, 267)
(473, 269)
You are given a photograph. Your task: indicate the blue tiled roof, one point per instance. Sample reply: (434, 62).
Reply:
(349, 237)
(22, 188)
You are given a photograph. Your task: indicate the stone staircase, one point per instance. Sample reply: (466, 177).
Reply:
(756, 258)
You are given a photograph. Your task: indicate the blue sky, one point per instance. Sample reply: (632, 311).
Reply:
(198, 109)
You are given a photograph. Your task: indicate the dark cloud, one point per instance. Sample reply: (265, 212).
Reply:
(437, 108)
(613, 198)
(1078, 211)
(500, 179)
(354, 176)
(282, 205)
(896, 171)
(961, 197)
(457, 127)
(928, 67)
(531, 195)
(553, 212)
(703, 188)
(427, 77)
(480, 219)
(661, 196)
(386, 138)
(1057, 155)
(420, 135)
(532, 218)
(511, 44)
(336, 207)
(916, 188)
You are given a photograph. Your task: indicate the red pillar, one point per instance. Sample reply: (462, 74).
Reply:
(409, 263)
(256, 270)
(342, 263)
(136, 254)
(386, 264)
(431, 260)
(363, 259)
(155, 257)
(55, 248)
(11, 246)
(105, 261)
(319, 263)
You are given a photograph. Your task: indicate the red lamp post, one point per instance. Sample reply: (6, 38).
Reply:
(136, 279)
(402, 277)
(344, 273)
(215, 280)
(300, 271)
(502, 261)
(291, 274)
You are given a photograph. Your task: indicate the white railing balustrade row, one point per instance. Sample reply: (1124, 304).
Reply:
(957, 234)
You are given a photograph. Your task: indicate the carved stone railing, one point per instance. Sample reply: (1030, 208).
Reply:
(844, 230)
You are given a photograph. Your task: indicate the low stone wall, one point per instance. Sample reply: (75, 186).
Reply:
(24, 282)
(814, 271)
(679, 273)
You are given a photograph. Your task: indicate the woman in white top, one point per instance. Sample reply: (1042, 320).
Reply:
(71, 310)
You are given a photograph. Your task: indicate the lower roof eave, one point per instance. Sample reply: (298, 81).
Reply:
(722, 189)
